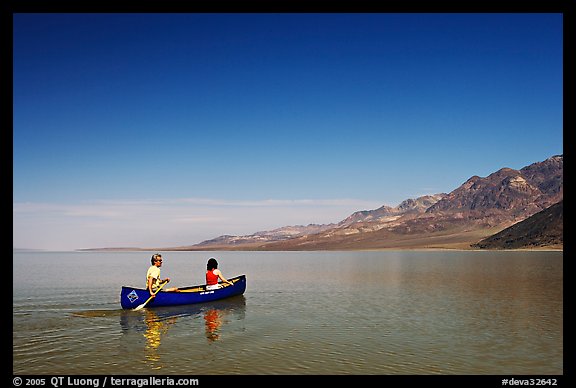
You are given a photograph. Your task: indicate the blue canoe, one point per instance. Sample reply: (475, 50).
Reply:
(131, 297)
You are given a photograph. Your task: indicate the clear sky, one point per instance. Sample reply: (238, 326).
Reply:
(157, 130)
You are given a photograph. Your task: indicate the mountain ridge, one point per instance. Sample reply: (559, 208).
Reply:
(477, 209)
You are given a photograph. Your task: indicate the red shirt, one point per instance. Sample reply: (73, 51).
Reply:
(211, 279)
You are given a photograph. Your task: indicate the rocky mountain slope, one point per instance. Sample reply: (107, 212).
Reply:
(543, 229)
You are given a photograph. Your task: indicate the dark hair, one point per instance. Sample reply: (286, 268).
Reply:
(212, 264)
(155, 257)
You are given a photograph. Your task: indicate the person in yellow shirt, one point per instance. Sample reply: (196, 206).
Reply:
(153, 280)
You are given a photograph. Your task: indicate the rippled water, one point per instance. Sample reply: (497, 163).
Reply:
(391, 312)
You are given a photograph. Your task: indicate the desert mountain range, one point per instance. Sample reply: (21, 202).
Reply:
(462, 219)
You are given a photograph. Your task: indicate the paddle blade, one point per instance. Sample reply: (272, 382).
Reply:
(142, 305)
(139, 307)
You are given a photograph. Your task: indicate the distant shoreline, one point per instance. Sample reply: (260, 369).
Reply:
(539, 249)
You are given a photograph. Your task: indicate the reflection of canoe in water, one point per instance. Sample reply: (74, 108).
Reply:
(201, 320)
(130, 320)
(131, 297)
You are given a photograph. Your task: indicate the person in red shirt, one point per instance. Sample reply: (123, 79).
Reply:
(213, 274)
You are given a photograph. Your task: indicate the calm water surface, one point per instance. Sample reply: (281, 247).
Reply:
(392, 312)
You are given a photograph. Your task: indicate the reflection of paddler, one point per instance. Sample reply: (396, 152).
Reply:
(213, 321)
(155, 328)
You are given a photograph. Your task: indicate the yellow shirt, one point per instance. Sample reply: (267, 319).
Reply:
(153, 272)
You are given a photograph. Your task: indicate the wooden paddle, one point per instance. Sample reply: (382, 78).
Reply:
(151, 296)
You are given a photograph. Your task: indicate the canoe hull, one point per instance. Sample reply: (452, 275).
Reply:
(131, 297)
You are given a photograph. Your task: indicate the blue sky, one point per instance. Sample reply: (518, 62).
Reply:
(158, 130)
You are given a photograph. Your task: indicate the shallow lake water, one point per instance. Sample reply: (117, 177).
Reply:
(384, 313)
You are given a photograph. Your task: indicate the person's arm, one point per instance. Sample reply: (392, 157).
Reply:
(217, 272)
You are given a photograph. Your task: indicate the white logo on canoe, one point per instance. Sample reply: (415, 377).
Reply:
(132, 296)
